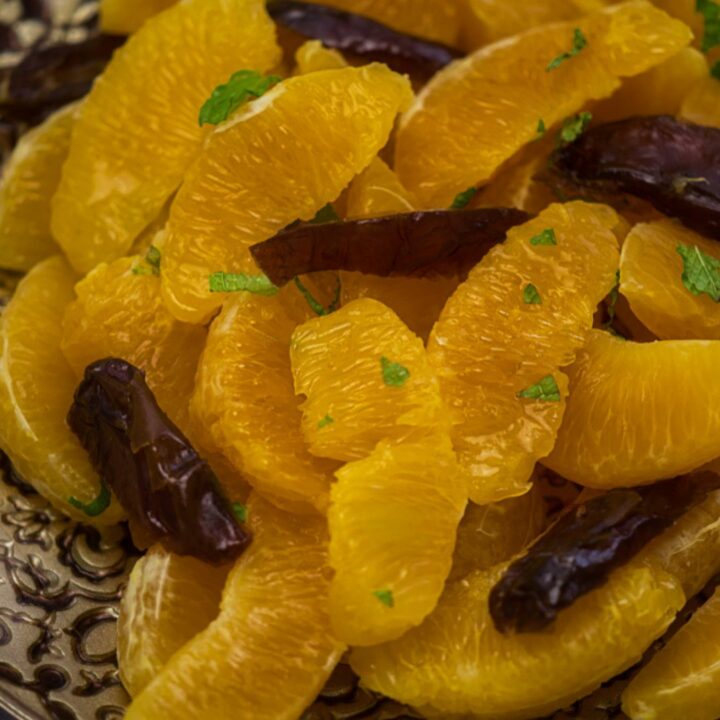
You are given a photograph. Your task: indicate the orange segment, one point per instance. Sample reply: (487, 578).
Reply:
(168, 600)
(491, 343)
(135, 139)
(683, 679)
(244, 403)
(270, 650)
(392, 520)
(281, 158)
(313, 56)
(639, 413)
(120, 314)
(365, 378)
(36, 391)
(377, 191)
(478, 112)
(123, 17)
(431, 19)
(29, 180)
(651, 271)
(702, 105)
(456, 662)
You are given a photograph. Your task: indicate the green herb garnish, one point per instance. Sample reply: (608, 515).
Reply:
(579, 44)
(546, 237)
(221, 282)
(531, 296)
(327, 420)
(701, 273)
(385, 597)
(711, 12)
(314, 304)
(680, 183)
(240, 511)
(98, 506)
(715, 70)
(241, 87)
(464, 198)
(326, 214)
(394, 374)
(545, 391)
(541, 129)
(152, 258)
(574, 127)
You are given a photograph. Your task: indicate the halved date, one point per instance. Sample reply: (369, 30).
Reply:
(674, 165)
(586, 544)
(440, 242)
(362, 38)
(171, 495)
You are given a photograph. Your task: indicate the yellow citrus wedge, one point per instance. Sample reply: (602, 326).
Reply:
(651, 272)
(123, 17)
(280, 159)
(270, 650)
(135, 138)
(503, 337)
(377, 191)
(29, 180)
(393, 520)
(624, 426)
(168, 600)
(477, 113)
(256, 423)
(365, 378)
(36, 392)
(313, 56)
(457, 664)
(702, 105)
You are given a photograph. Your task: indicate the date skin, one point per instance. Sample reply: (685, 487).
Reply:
(362, 38)
(441, 242)
(586, 544)
(171, 495)
(674, 165)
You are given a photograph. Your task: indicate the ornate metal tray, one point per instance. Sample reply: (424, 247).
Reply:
(60, 583)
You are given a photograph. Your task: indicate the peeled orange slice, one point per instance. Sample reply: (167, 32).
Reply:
(377, 191)
(478, 112)
(36, 391)
(281, 158)
(244, 403)
(122, 17)
(270, 650)
(498, 347)
(29, 180)
(365, 378)
(457, 663)
(651, 271)
(683, 679)
(135, 139)
(624, 427)
(702, 105)
(119, 313)
(393, 520)
(168, 600)
(313, 56)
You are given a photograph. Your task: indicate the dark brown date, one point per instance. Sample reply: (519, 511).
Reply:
(673, 165)
(586, 544)
(171, 495)
(362, 38)
(51, 77)
(440, 242)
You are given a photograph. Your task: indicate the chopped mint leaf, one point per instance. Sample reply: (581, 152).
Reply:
(545, 391)
(681, 182)
(701, 272)
(385, 597)
(221, 282)
(241, 87)
(143, 270)
(531, 296)
(240, 511)
(98, 506)
(464, 198)
(715, 70)
(541, 129)
(326, 214)
(153, 257)
(710, 10)
(546, 237)
(579, 44)
(394, 374)
(327, 420)
(574, 127)
(316, 306)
